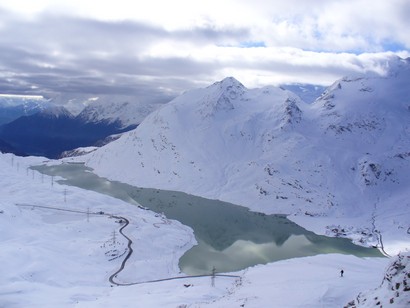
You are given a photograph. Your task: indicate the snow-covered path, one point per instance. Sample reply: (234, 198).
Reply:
(124, 223)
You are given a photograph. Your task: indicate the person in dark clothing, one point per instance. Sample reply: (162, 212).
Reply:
(341, 273)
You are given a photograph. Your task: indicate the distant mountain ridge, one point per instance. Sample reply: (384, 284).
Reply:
(49, 129)
(55, 130)
(14, 106)
(124, 112)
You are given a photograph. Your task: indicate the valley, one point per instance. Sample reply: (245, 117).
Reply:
(338, 167)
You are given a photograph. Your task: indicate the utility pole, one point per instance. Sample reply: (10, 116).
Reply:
(213, 277)
(65, 195)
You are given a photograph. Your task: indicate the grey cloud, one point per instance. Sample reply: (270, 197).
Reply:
(53, 54)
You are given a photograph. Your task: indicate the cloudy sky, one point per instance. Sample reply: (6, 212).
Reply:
(157, 49)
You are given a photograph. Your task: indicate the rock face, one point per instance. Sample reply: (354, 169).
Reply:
(394, 290)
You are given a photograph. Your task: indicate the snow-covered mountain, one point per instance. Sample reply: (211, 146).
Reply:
(124, 112)
(340, 166)
(15, 106)
(55, 112)
(55, 130)
(49, 128)
(307, 92)
(347, 155)
(199, 134)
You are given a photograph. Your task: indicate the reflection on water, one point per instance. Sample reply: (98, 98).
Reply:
(230, 237)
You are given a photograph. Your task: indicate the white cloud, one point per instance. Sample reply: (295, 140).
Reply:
(311, 24)
(126, 45)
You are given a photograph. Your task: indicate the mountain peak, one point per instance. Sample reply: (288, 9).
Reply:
(56, 112)
(230, 81)
(229, 84)
(221, 96)
(398, 65)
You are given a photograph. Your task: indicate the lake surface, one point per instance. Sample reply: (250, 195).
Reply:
(230, 237)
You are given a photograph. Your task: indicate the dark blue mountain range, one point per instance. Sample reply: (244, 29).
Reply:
(51, 133)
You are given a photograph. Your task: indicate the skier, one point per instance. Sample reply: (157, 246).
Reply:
(341, 273)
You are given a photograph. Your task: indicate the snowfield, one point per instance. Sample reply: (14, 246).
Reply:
(57, 258)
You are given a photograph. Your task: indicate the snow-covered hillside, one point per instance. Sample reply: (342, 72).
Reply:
(307, 92)
(119, 110)
(337, 165)
(59, 246)
(124, 110)
(394, 291)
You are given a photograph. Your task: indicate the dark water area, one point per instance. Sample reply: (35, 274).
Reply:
(230, 237)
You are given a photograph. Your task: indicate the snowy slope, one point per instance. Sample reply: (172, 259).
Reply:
(202, 133)
(307, 92)
(345, 158)
(394, 291)
(56, 112)
(119, 110)
(60, 258)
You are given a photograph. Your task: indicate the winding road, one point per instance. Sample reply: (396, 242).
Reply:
(129, 249)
